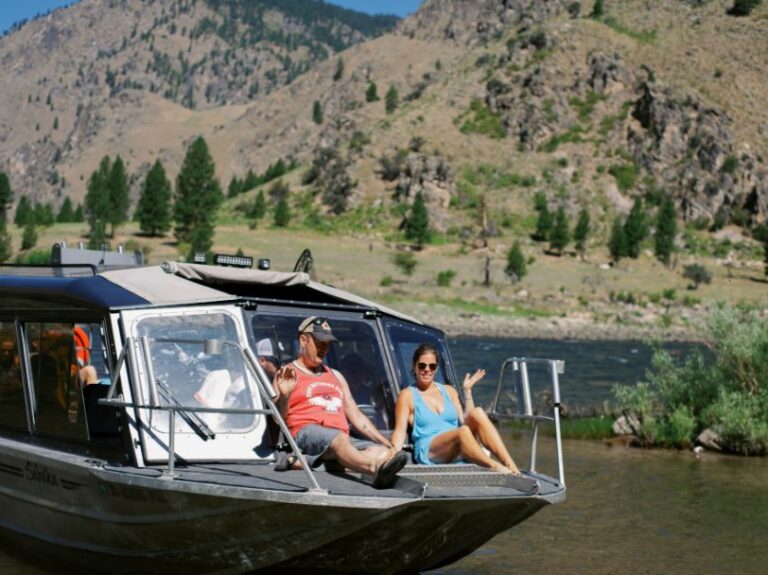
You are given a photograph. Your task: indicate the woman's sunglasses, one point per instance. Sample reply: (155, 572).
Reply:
(422, 366)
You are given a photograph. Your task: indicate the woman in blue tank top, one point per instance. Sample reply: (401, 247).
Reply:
(442, 431)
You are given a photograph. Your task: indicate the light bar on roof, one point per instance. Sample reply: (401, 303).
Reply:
(233, 261)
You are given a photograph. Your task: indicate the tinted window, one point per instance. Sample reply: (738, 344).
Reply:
(12, 407)
(404, 339)
(55, 370)
(357, 355)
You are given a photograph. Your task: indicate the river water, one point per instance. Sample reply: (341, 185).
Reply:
(628, 511)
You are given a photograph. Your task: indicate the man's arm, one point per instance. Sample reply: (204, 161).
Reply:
(357, 418)
(284, 384)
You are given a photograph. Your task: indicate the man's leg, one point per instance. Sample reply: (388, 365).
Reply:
(351, 457)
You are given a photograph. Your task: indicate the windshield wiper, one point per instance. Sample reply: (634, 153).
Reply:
(190, 417)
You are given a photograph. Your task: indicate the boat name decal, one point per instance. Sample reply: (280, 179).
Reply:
(36, 472)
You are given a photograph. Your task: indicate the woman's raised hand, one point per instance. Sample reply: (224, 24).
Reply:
(285, 380)
(471, 380)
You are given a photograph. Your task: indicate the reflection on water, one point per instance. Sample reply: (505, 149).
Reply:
(634, 511)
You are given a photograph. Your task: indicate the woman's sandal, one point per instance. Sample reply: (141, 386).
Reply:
(285, 461)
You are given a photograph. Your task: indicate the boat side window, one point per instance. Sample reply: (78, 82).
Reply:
(13, 413)
(357, 355)
(404, 339)
(192, 374)
(55, 366)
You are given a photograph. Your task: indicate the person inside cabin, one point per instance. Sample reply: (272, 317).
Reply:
(318, 408)
(367, 395)
(443, 432)
(10, 372)
(265, 354)
(86, 372)
(222, 387)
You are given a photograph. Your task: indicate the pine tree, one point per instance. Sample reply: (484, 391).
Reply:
(5, 242)
(29, 237)
(543, 224)
(97, 200)
(339, 73)
(44, 215)
(235, 187)
(371, 93)
(635, 228)
(260, 206)
(417, 225)
(66, 212)
(561, 235)
(119, 194)
(597, 9)
(282, 213)
(23, 212)
(391, 100)
(581, 233)
(516, 267)
(154, 208)
(617, 245)
(97, 238)
(6, 196)
(666, 231)
(79, 216)
(317, 113)
(198, 197)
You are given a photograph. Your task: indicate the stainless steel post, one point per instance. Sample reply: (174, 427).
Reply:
(150, 371)
(554, 368)
(171, 441)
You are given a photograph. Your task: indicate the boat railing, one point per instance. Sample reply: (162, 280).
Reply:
(174, 409)
(525, 412)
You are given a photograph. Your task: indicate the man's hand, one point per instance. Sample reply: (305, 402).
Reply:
(285, 381)
(471, 380)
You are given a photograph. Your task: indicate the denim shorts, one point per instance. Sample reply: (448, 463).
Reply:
(314, 440)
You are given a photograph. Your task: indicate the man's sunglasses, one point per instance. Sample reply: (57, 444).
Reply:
(422, 366)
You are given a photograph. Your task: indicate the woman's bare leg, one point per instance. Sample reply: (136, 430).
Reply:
(480, 424)
(449, 445)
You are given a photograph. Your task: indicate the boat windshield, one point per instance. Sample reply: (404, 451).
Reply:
(194, 367)
(357, 354)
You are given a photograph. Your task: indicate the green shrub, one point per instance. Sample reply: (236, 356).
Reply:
(625, 175)
(669, 294)
(743, 7)
(445, 277)
(386, 281)
(482, 120)
(405, 262)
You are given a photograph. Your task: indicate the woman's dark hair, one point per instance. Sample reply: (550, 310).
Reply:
(423, 349)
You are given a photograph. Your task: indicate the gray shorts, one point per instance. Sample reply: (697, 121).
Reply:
(315, 440)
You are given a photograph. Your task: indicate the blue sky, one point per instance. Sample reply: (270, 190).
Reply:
(14, 10)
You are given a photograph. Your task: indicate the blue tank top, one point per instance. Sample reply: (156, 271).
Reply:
(427, 424)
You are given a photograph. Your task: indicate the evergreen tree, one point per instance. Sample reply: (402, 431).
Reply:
(56, 123)
(198, 197)
(392, 99)
(235, 187)
(154, 208)
(561, 235)
(5, 242)
(516, 268)
(581, 233)
(97, 238)
(417, 225)
(44, 215)
(317, 113)
(339, 73)
(543, 224)
(617, 244)
(23, 212)
(250, 181)
(119, 194)
(29, 237)
(666, 230)
(259, 206)
(282, 213)
(79, 216)
(743, 7)
(97, 199)
(6, 196)
(762, 236)
(66, 212)
(635, 228)
(371, 94)
(597, 9)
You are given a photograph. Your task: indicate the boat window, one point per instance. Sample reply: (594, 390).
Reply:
(13, 412)
(357, 355)
(59, 363)
(194, 366)
(404, 339)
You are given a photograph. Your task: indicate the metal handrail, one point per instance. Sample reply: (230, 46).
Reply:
(522, 388)
(263, 384)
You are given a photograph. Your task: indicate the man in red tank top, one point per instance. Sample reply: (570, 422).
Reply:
(318, 408)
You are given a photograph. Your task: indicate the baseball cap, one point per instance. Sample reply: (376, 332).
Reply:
(265, 347)
(318, 327)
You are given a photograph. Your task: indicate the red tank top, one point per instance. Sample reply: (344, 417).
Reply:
(317, 398)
